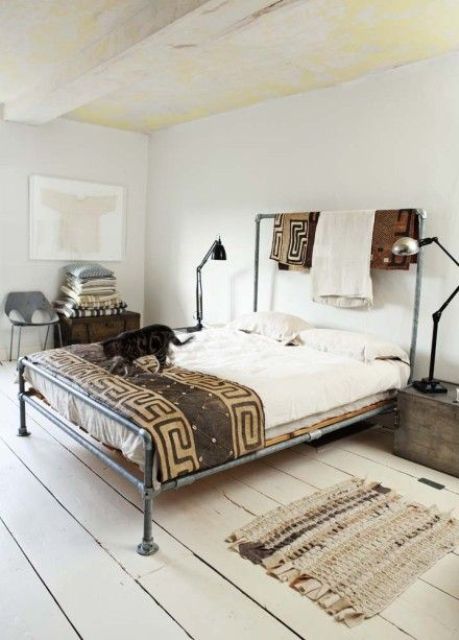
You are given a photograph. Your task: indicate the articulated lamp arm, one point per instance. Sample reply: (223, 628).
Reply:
(207, 256)
(426, 241)
(430, 385)
(436, 319)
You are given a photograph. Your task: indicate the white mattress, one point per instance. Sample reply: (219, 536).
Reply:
(298, 386)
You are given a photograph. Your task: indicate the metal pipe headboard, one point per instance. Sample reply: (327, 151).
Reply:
(422, 215)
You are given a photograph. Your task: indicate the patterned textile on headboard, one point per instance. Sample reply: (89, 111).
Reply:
(294, 233)
(293, 239)
(389, 226)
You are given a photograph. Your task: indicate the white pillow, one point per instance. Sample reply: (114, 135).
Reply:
(360, 346)
(272, 324)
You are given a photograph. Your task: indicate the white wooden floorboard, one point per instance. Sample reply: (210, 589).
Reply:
(100, 599)
(193, 522)
(445, 575)
(227, 513)
(270, 483)
(116, 524)
(201, 508)
(112, 521)
(27, 609)
(254, 476)
(353, 464)
(426, 614)
(377, 444)
(208, 608)
(408, 486)
(313, 472)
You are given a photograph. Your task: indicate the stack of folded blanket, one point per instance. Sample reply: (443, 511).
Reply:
(89, 289)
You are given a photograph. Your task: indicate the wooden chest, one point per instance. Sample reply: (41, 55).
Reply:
(428, 429)
(82, 330)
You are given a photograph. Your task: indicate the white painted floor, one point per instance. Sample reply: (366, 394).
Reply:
(69, 526)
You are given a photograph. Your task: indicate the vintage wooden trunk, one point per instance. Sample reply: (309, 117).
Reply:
(428, 429)
(82, 330)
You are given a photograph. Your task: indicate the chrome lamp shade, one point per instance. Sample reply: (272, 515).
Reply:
(405, 247)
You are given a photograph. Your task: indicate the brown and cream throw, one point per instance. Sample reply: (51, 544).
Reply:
(352, 548)
(293, 239)
(197, 421)
(389, 226)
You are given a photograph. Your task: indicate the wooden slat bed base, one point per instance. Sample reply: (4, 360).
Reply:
(327, 422)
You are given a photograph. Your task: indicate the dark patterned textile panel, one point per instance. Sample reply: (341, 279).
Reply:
(197, 421)
(293, 239)
(389, 226)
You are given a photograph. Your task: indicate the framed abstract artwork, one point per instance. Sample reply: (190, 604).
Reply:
(76, 220)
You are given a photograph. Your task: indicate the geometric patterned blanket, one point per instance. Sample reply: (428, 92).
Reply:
(390, 225)
(293, 239)
(196, 420)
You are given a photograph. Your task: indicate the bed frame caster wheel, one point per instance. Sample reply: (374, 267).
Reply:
(147, 548)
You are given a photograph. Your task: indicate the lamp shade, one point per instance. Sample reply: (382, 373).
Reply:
(219, 252)
(405, 247)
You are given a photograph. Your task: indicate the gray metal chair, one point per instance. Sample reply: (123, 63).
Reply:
(30, 309)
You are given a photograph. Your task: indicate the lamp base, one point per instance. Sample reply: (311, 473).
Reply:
(197, 327)
(429, 386)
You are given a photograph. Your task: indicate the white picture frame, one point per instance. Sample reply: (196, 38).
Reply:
(73, 220)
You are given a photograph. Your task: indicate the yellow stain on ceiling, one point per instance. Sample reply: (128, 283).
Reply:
(295, 46)
(305, 46)
(36, 35)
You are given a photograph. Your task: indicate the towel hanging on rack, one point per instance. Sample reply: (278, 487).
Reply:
(341, 259)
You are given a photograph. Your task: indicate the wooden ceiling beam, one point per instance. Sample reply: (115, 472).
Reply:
(122, 57)
(92, 73)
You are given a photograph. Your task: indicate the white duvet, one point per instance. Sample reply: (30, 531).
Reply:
(293, 382)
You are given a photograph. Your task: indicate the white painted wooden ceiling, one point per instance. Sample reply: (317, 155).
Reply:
(147, 64)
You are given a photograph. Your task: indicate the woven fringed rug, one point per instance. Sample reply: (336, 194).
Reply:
(353, 548)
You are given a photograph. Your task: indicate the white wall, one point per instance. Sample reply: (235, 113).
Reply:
(390, 140)
(71, 150)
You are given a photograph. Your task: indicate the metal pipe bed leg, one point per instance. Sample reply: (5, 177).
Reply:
(46, 338)
(148, 546)
(59, 331)
(19, 343)
(11, 342)
(22, 431)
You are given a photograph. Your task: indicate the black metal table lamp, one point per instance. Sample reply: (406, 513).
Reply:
(216, 252)
(409, 247)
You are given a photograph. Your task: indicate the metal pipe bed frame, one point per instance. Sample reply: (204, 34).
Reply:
(149, 487)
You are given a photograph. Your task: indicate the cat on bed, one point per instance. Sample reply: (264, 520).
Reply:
(154, 340)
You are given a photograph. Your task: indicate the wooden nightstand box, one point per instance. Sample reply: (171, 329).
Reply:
(428, 430)
(81, 330)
